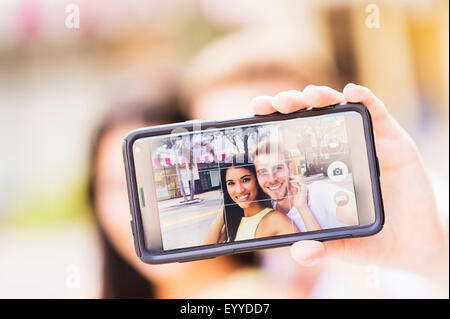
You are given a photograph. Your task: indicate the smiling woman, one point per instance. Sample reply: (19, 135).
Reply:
(241, 181)
(248, 212)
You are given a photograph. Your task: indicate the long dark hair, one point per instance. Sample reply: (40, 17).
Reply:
(232, 212)
(119, 278)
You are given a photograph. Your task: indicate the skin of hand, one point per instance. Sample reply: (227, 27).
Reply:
(413, 237)
(298, 188)
(216, 232)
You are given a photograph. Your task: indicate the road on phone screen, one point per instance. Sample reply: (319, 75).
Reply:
(185, 225)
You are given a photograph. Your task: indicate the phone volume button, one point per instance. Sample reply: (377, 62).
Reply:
(135, 239)
(378, 166)
(132, 228)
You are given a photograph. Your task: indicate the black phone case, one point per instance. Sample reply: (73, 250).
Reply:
(211, 251)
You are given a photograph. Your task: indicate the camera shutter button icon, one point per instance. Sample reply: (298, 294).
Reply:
(337, 171)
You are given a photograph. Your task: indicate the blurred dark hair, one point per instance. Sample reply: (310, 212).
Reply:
(119, 278)
(233, 213)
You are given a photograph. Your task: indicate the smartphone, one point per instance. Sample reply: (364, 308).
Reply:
(201, 189)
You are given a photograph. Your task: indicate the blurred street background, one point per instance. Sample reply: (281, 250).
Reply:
(58, 78)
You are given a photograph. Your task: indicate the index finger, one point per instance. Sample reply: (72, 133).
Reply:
(293, 100)
(262, 105)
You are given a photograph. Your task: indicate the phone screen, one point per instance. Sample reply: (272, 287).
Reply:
(218, 186)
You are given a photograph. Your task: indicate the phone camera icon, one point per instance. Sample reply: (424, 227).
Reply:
(337, 171)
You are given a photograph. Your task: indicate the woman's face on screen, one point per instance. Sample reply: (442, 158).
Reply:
(241, 186)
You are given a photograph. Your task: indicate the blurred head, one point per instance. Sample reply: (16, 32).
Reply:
(263, 60)
(124, 275)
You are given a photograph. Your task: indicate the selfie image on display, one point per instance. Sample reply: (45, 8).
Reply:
(218, 186)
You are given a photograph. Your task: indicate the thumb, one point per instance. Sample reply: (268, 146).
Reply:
(308, 252)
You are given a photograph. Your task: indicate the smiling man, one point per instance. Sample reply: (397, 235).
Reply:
(311, 207)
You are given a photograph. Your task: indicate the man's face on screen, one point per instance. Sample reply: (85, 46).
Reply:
(273, 175)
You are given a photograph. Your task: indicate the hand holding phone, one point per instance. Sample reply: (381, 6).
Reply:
(191, 203)
(404, 177)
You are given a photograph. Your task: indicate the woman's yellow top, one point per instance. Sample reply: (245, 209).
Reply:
(248, 225)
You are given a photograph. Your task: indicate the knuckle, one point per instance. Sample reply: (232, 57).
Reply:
(309, 88)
